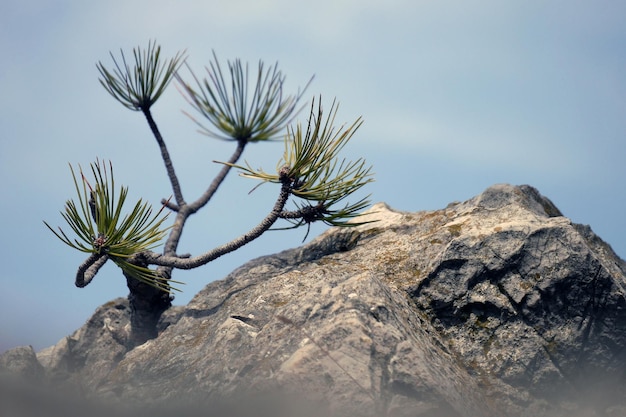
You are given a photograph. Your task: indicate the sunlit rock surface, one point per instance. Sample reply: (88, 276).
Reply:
(497, 306)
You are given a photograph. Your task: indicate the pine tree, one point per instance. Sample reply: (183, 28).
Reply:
(234, 107)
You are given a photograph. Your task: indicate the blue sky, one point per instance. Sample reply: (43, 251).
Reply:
(455, 95)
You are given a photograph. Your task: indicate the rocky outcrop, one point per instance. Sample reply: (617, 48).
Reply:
(498, 306)
(94, 349)
(22, 361)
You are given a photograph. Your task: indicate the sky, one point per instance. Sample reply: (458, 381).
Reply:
(455, 96)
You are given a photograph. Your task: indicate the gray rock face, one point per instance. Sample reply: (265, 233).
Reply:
(22, 361)
(92, 351)
(498, 306)
(530, 300)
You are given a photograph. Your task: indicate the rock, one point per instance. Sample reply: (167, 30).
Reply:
(91, 352)
(530, 300)
(21, 361)
(498, 306)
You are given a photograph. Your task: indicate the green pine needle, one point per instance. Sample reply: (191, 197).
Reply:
(317, 175)
(139, 86)
(100, 227)
(239, 108)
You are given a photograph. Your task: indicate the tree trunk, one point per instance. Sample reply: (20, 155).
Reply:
(147, 304)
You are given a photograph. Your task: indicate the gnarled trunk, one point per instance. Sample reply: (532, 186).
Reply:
(147, 304)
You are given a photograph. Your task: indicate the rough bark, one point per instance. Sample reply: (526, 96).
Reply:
(147, 304)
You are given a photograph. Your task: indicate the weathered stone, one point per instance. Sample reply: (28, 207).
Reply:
(91, 352)
(530, 300)
(21, 361)
(498, 306)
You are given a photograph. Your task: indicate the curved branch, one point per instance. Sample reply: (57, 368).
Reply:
(88, 269)
(307, 213)
(194, 262)
(183, 212)
(217, 181)
(178, 194)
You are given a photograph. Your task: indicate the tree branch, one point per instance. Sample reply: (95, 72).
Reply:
(170, 205)
(170, 261)
(88, 269)
(307, 213)
(217, 181)
(178, 195)
(185, 210)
